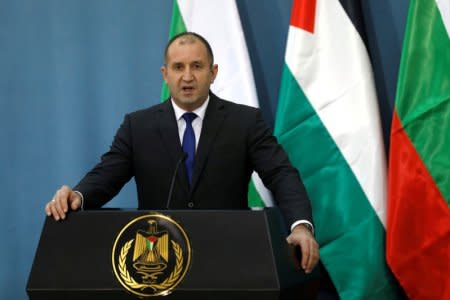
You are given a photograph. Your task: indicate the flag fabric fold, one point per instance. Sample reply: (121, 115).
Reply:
(418, 234)
(328, 122)
(219, 23)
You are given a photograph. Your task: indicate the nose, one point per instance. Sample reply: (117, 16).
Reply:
(187, 75)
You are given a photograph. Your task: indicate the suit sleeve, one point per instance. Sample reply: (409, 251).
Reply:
(115, 169)
(272, 164)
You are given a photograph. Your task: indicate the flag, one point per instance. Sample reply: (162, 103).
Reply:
(418, 235)
(219, 23)
(328, 122)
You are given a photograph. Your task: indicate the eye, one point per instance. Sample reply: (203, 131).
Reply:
(177, 67)
(197, 66)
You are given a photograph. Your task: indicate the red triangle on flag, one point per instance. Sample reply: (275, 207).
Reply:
(304, 14)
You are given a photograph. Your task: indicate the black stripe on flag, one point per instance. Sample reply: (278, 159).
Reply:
(353, 9)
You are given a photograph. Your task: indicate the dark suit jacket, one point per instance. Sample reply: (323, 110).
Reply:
(234, 141)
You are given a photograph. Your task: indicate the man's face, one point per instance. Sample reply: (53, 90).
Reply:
(188, 73)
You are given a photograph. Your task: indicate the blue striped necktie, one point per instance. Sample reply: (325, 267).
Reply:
(189, 144)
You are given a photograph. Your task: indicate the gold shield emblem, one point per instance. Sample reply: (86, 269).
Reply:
(151, 255)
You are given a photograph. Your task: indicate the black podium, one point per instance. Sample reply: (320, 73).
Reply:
(235, 255)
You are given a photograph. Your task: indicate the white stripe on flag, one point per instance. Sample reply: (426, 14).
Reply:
(444, 9)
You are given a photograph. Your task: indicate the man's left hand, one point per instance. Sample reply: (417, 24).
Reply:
(302, 237)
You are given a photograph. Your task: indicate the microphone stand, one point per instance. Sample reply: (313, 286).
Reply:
(181, 160)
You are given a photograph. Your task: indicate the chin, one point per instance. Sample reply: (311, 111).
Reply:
(188, 101)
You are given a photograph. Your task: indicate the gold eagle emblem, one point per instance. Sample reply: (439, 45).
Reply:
(151, 255)
(151, 252)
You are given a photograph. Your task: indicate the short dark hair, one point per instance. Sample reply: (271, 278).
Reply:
(195, 37)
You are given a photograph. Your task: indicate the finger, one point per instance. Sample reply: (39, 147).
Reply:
(305, 254)
(54, 212)
(75, 201)
(59, 209)
(47, 210)
(309, 263)
(299, 242)
(313, 257)
(57, 204)
(289, 240)
(64, 196)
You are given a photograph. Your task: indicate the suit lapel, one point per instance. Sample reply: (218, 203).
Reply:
(214, 116)
(168, 131)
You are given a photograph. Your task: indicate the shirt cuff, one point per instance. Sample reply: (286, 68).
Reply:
(302, 222)
(82, 200)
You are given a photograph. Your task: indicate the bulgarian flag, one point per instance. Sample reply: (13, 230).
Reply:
(219, 23)
(418, 237)
(328, 122)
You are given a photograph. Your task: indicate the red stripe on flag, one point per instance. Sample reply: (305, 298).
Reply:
(304, 14)
(418, 227)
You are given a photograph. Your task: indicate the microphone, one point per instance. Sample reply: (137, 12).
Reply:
(181, 160)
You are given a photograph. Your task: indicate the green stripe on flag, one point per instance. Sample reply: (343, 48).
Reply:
(177, 24)
(348, 230)
(425, 110)
(254, 199)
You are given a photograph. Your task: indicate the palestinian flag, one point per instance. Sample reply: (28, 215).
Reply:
(328, 122)
(418, 237)
(219, 23)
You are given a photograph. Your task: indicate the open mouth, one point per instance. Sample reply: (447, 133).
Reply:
(187, 89)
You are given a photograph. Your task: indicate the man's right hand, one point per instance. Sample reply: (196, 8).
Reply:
(63, 199)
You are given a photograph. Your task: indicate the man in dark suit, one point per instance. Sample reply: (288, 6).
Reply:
(217, 144)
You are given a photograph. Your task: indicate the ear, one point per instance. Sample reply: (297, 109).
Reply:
(214, 70)
(164, 73)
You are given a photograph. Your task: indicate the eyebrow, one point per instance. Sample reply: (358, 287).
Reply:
(193, 62)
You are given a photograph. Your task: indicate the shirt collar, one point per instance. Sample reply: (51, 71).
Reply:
(200, 112)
